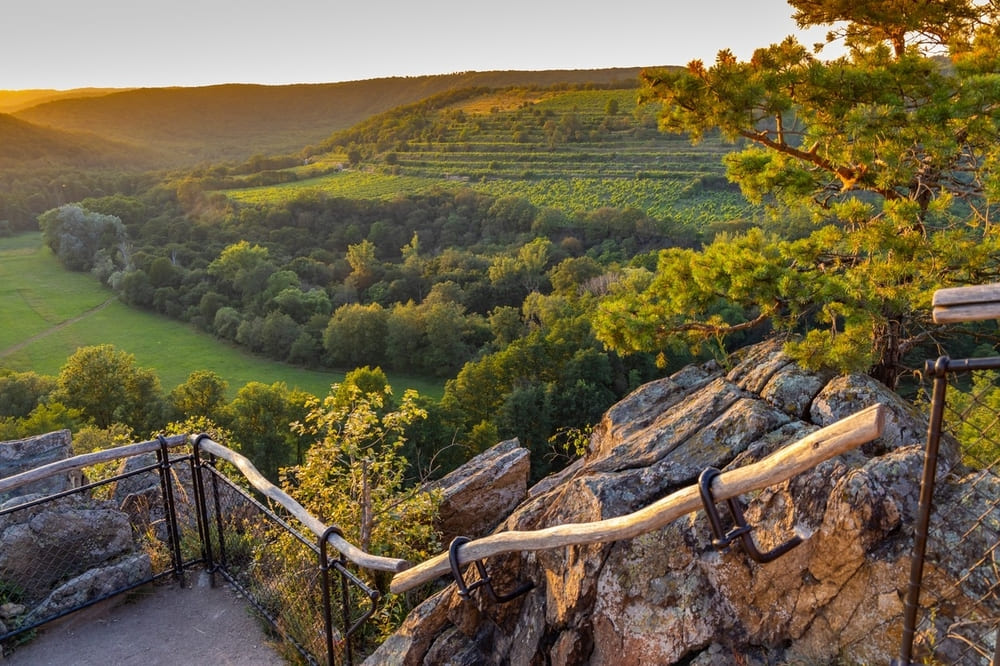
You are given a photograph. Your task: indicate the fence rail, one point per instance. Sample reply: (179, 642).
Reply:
(354, 554)
(201, 517)
(266, 544)
(782, 465)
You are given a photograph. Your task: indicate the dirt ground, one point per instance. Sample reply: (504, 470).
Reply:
(155, 626)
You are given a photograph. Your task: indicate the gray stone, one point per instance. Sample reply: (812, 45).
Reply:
(52, 542)
(94, 584)
(21, 455)
(668, 596)
(10, 610)
(481, 493)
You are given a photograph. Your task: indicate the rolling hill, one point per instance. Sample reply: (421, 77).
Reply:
(566, 147)
(26, 145)
(12, 101)
(189, 126)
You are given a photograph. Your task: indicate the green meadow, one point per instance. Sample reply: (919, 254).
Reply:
(48, 312)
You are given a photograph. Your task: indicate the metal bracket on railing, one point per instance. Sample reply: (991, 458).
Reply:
(465, 591)
(741, 530)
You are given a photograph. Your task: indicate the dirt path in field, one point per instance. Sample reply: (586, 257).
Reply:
(155, 626)
(58, 327)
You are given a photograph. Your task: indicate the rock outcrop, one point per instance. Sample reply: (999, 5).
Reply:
(668, 596)
(20, 455)
(61, 553)
(483, 491)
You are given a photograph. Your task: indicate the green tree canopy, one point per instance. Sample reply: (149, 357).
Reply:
(898, 22)
(107, 386)
(892, 152)
(354, 475)
(21, 392)
(78, 236)
(260, 418)
(203, 394)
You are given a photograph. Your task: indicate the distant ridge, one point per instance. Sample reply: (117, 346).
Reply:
(12, 101)
(235, 121)
(23, 144)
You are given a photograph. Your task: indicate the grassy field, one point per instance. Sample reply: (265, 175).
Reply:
(48, 312)
(352, 184)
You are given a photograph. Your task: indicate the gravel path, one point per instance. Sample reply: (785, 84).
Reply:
(155, 626)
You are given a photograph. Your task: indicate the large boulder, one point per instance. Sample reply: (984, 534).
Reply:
(669, 596)
(482, 492)
(51, 542)
(63, 552)
(93, 584)
(21, 455)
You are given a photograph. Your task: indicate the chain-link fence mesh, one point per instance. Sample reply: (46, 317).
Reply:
(280, 570)
(77, 546)
(113, 526)
(953, 609)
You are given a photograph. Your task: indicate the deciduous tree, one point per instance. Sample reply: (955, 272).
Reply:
(107, 386)
(354, 476)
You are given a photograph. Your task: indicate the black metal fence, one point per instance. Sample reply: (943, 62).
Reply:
(156, 516)
(74, 548)
(952, 608)
(285, 574)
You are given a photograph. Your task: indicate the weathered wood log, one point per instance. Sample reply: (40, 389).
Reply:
(961, 304)
(806, 453)
(311, 522)
(79, 462)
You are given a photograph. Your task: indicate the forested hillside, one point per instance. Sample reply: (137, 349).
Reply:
(27, 146)
(468, 238)
(12, 101)
(233, 122)
(96, 142)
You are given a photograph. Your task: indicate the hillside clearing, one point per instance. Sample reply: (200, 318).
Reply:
(49, 312)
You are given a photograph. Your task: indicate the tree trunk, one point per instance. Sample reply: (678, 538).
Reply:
(888, 360)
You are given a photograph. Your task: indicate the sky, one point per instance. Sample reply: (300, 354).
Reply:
(66, 44)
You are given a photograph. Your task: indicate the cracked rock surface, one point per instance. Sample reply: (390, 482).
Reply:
(668, 596)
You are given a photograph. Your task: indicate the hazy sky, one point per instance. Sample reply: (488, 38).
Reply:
(124, 43)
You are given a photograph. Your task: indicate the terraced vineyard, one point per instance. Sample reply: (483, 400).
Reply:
(574, 150)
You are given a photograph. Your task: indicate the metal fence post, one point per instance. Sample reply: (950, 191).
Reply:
(324, 567)
(937, 369)
(202, 508)
(169, 508)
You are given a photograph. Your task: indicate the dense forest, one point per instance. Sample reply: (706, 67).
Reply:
(487, 292)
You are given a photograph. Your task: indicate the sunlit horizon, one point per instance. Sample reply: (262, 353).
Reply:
(67, 44)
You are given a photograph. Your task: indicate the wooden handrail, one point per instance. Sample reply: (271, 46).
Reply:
(311, 522)
(960, 304)
(806, 453)
(85, 460)
(269, 490)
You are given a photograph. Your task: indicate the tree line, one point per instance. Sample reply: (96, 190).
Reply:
(497, 301)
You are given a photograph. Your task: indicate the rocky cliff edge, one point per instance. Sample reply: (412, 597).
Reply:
(669, 596)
